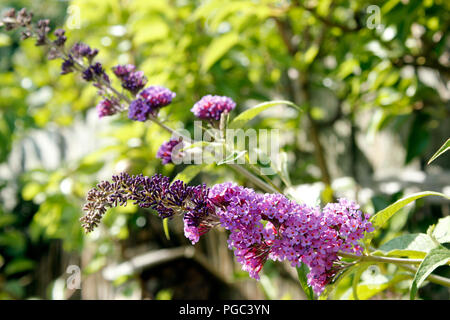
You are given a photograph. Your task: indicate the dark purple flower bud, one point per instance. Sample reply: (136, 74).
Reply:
(41, 32)
(170, 151)
(67, 65)
(97, 68)
(139, 110)
(211, 107)
(107, 107)
(93, 70)
(81, 49)
(87, 74)
(157, 96)
(134, 81)
(121, 71)
(61, 38)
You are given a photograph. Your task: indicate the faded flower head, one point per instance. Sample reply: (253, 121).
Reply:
(211, 107)
(107, 107)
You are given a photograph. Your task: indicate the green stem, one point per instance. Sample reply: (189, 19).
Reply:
(380, 258)
(401, 262)
(261, 184)
(432, 277)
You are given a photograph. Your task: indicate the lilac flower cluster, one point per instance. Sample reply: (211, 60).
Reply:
(293, 232)
(170, 150)
(262, 226)
(149, 102)
(211, 107)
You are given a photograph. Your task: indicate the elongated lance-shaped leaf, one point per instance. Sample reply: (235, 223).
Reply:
(435, 258)
(381, 217)
(251, 113)
(444, 148)
(302, 272)
(413, 245)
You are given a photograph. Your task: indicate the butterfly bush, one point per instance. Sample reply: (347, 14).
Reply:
(261, 226)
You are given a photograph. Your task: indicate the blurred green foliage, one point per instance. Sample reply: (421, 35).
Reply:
(321, 55)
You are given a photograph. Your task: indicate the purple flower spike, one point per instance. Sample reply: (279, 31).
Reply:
(169, 150)
(211, 107)
(262, 226)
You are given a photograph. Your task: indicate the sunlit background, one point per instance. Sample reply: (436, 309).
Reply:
(373, 75)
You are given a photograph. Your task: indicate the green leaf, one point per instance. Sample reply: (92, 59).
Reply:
(441, 231)
(330, 288)
(19, 265)
(7, 219)
(435, 258)
(366, 291)
(415, 245)
(189, 173)
(166, 228)
(232, 157)
(311, 54)
(251, 113)
(381, 217)
(356, 278)
(90, 167)
(444, 148)
(95, 265)
(5, 40)
(418, 138)
(302, 272)
(198, 144)
(217, 49)
(31, 190)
